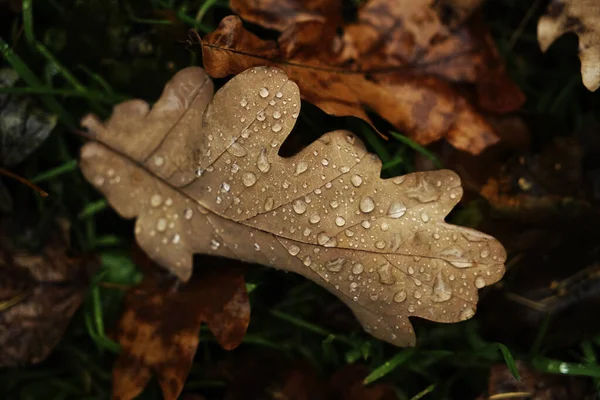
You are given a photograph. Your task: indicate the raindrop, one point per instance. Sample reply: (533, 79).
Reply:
(261, 116)
(462, 264)
(301, 167)
(357, 269)
(366, 224)
(334, 204)
(161, 225)
(262, 162)
(325, 162)
(299, 207)
(441, 292)
(344, 169)
(396, 210)
(248, 179)
(293, 250)
(245, 133)
(276, 127)
(269, 204)
(479, 282)
(99, 180)
(322, 238)
(356, 180)
(156, 200)
(466, 313)
(339, 221)
(176, 238)
(424, 216)
(385, 226)
(279, 95)
(276, 114)
(385, 274)
(417, 294)
(214, 244)
(244, 103)
(158, 161)
(237, 150)
(380, 245)
(353, 286)
(367, 204)
(225, 186)
(188, 213)
(373, 296)
(400, 296)
(307, 261)
(256, 247)
(315, 218)
(263, 92)
(335, 265)
(411, 270)
(485, 253)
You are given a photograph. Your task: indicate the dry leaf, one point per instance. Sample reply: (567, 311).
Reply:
(583, 18)
(159, 330)
(397, 60)
(39, 293)
(207, 178)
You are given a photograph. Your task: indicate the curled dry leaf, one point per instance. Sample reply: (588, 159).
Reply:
(207, 178)
(159, 330)
(583, 18)
(399, 60)
(39, 293)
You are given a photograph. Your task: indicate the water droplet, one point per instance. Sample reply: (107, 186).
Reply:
(156, 200)
(340, 221)
(244, 103)
(344, 169)
(466, 313)
(356, 180)
(293, 250)
(176, 238)
(485, 253)
(385, 274)
(225, 186)
(276, 114)
(158, 161)
(479, 282)
(307, 261)
(301, 167)
(323, 238)
(99, 180)
(214, 244)
(396, 210)
(424, 217)
(237, 150)
(188, 213)
(357, 269)
(256, 246)
(400, 296)
(279, 95)
(349, 233)
(262, 162)
(334, 204)
(161, 225)
(385, 226)
(199, 172)
(263, 92)
(261, 116)
(411, 270)
(353, 286)
(276, 127)
(335, 265)
(325, 162)
(269, 204)
(417, 294)
(373, 296)
(299, 207)
(315, 218)
(245, 133)
(248, 179)
(380, 245)
(367, 204)
(441, 291)
(462, 264)
(366, 224)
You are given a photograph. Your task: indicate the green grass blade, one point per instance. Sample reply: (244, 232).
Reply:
(93, 208)
(416, 146)
(424, 392)
(509, 360)
(566, 368)
(389, 366)
(69, 166)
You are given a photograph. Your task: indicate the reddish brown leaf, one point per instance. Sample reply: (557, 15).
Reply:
(39, 293)
(159, 330)
(378, 63)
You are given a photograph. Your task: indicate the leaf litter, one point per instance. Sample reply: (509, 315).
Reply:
(203, 175)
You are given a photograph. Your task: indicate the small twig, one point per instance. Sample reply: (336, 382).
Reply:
(24, 181)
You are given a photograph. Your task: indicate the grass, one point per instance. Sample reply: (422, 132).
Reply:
(84, 73)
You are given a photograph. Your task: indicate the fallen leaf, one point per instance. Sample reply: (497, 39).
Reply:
(39, 293)
(398, 60)
(583, 18)
(207, 178)
(160, 327)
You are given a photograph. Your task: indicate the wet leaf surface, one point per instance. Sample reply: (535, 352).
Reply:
(581, 17)
(160, 327)
(204, 176)
(39, 293)
(400, 59)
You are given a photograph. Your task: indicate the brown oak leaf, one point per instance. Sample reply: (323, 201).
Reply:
(159, 329)
(205, 176)
(583, 18)
(39, 293)
(399, 59)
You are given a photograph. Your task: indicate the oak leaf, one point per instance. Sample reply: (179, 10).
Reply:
(399, 59)
(159, 329)
(583, 18)
(205, 176)
(39, 293)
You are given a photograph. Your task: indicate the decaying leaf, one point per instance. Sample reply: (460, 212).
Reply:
(583, 18)
(207, 178)
(39, 293)
(159, 330)
(398, 60)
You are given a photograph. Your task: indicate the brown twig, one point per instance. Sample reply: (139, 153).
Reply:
(24, 181)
